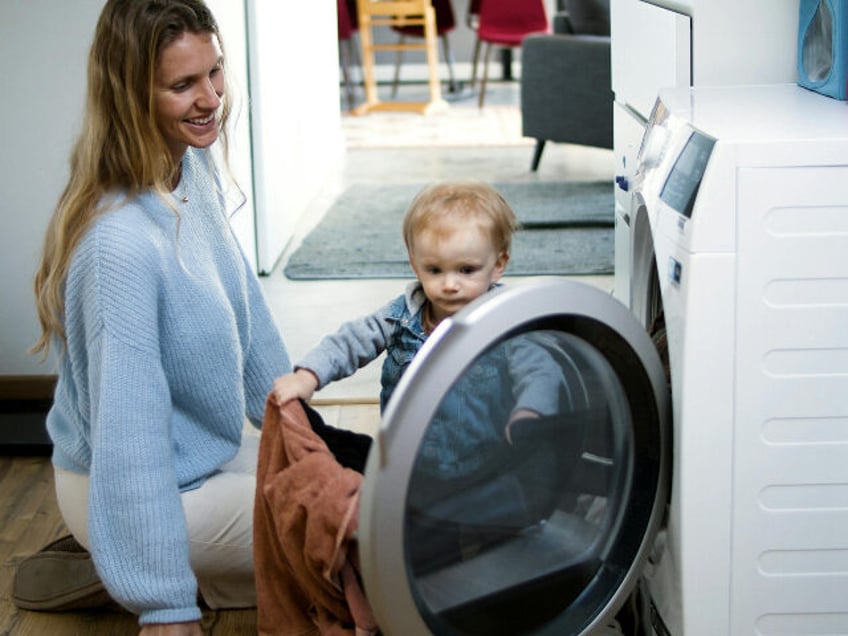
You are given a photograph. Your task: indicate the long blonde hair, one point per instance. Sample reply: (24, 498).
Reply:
(120, 148)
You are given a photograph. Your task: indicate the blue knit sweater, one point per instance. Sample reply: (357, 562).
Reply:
(170, 344)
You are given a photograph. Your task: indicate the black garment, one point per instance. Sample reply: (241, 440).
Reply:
(349, 447)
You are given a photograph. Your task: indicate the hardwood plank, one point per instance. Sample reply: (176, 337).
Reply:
(230, 622)
(109, 623)
(90, 623)
(29, 517)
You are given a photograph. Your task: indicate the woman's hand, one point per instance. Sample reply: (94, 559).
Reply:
(300, 384)
(172, 629)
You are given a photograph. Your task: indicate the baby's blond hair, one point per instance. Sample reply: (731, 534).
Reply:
(448, 202)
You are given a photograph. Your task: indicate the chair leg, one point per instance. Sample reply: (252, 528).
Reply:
(398, 62)
(452, 85)
(537, 154)
(356, 58)
(486, 56)
(474, 60)
(344, 51)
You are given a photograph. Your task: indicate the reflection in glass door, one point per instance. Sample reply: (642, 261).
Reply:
(513, 496)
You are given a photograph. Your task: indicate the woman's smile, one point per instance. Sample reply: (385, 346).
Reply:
(189, 85)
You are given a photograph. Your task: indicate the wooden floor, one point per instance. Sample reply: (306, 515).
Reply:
(29, 519)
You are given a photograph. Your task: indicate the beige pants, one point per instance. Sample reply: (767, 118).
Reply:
(219, 516)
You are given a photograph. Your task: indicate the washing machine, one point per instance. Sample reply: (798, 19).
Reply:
(705, 491)
(464, 532)
(739, 236)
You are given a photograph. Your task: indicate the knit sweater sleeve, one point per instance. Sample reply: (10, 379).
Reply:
(136, 523)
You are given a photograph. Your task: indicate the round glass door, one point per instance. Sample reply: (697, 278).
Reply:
(521, 469)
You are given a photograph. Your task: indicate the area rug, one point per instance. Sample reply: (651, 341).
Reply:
(567, 229)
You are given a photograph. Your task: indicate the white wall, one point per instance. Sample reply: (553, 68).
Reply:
(232, 22)
(295, 126)
(296, 120)
(43, 50)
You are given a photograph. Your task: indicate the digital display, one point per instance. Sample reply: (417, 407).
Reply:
(681, 186)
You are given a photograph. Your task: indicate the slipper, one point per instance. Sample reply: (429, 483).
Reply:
(59, 577)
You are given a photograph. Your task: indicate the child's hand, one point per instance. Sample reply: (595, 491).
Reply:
(517, 415)
(300, 384)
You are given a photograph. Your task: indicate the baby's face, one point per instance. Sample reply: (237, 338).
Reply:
(455, 266)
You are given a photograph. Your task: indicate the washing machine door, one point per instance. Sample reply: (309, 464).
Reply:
(520, 471)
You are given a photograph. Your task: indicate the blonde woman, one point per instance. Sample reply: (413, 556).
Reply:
(165, 341)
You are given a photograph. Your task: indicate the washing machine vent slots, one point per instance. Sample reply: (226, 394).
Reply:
(823, 47)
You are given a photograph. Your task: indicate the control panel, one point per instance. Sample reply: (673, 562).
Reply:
(681, 185)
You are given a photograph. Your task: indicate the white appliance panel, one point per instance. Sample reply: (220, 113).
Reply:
(651, 49)
(628, 130)
(790, 477)
(753, 286)
(681, 6)
(659, 44)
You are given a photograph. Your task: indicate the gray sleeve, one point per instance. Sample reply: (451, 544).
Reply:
(537, 378)
(355, 344)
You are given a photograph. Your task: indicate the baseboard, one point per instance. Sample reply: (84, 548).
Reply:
(24, 403)
(27, 387)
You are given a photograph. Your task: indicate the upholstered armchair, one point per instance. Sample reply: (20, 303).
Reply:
(566, 88)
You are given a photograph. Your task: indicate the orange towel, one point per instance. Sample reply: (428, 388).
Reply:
(305, 514)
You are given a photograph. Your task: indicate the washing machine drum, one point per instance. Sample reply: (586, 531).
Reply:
(521, 469)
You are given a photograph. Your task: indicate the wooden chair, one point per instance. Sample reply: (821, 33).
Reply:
(398, 13)
(445, 23)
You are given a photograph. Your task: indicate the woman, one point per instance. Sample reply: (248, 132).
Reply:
(166, 341)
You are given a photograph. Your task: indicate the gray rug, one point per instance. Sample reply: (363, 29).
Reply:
(567, 229)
